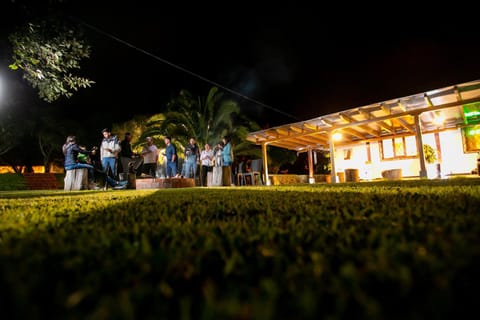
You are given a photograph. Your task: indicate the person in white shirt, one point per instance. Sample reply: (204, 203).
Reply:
(206, 158)
(109, 150)
(150, 157)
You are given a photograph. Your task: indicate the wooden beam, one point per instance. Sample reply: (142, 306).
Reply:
(310, 127)
(293, 142)
(387, 109)
(458, 94)
(285, 143)
(428, 101)
(365, 113)
(354, 133)
(369, 130)
(282, 131)
(272, 136)
(346, 118)
(383, 124)
(365, 128)
(470, 87)
(312, 139)
(296, 129)
(401, 105)
(405, 124)
(328, 122)
(386, 126)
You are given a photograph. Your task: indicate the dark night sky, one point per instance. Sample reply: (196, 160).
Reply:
(300, 62)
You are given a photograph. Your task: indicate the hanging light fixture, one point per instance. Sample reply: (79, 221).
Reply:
(438, 118)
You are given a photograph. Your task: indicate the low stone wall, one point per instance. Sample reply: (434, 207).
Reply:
(279, 179)
(41, 181)
(154, 183)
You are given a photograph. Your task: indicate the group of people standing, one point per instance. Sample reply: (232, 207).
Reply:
(215, 161)
(145, 163)
(219, 162)
(140, 164)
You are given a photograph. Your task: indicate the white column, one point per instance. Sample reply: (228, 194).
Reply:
(265, 164)
(421, 155)
(332, 157)
(311, 178)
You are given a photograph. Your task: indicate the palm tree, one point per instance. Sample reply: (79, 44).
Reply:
(205, 119)
(138, 129)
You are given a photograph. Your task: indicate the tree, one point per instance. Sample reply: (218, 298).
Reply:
(205, 119)
(137, 128)
(50, 134)
(7, 135)
(47, 52)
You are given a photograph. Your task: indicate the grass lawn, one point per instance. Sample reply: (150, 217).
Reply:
(369, 250)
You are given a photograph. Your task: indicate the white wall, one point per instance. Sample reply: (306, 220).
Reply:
(454, 160)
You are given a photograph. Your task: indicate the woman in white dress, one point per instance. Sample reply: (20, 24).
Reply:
(217, 168)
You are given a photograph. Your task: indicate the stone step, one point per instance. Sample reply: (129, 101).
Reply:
(159, 183)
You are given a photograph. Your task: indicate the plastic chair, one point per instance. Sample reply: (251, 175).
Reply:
(257, 168)
(241, 180)
(255, 173)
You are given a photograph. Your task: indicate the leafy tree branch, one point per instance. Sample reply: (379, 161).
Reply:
(47, 53)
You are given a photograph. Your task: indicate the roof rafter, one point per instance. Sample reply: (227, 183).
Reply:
(404, 124)
(365, 128)
(389, 118)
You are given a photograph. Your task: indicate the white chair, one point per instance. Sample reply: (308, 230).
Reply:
(241, 181)
(255, 172)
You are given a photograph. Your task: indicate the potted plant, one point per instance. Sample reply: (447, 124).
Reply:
(430, 158)
(429, 153)
(323, 168)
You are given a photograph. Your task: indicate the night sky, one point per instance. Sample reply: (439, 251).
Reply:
(299, 64)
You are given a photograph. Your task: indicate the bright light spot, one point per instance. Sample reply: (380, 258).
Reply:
(337, 136)
(438, 119)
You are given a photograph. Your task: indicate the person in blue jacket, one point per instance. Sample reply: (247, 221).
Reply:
(227, 158)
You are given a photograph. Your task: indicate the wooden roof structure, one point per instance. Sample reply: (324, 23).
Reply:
(392, 118)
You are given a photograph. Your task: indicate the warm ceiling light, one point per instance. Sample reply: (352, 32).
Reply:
(438, 119)
(337, 136)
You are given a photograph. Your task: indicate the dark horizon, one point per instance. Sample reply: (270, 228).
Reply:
(293, 64)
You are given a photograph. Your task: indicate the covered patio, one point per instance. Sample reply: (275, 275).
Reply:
(415, 115)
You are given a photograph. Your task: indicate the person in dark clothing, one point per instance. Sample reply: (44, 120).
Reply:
(129, 160)
(192, 156)
(71, 150)
(172, 159)
(285, 168)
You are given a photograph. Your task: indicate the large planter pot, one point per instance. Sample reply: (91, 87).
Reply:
(392, 174)
(323, 178)
(352, 175)
(340, 176)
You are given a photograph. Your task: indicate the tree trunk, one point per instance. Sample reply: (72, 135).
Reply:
(46, 165)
